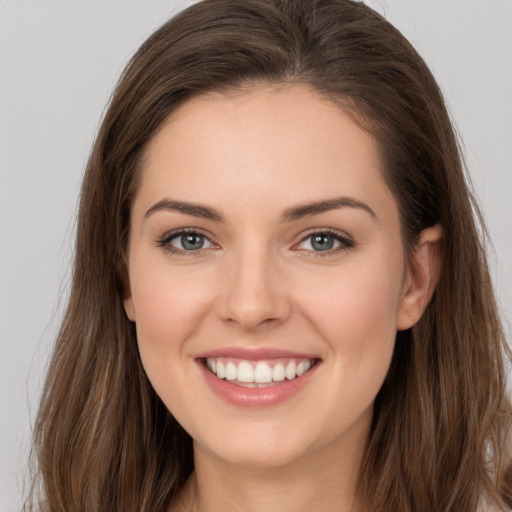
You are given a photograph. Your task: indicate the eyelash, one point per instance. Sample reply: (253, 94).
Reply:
(345, 243)
(165, 242)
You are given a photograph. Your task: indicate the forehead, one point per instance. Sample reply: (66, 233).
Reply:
(267, 145)
(256, 113)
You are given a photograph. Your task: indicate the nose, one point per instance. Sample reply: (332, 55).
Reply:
(254, 295)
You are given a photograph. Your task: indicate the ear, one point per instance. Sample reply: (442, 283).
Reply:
(128, 307)
(127, 292)
(422, 273)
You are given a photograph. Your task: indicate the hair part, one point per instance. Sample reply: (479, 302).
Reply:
(104, 439)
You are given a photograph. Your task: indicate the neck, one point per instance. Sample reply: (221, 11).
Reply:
(321, 480)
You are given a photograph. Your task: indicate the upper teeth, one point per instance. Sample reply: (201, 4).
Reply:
(257, 371)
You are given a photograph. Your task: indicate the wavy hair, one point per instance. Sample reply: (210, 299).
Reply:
(104, 441)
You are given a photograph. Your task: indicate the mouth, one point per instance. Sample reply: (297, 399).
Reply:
(257, 378)
(258, 374)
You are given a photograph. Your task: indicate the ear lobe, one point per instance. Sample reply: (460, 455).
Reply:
(423, 271)
(127, 293)
(128, 307)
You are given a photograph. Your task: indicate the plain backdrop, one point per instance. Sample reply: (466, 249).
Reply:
(59, 61)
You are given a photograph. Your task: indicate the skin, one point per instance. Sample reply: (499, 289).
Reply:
(259, 282)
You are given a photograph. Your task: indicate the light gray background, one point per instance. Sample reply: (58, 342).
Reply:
(59, 61)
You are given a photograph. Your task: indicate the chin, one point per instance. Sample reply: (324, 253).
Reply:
(263, 456)
(262, 445)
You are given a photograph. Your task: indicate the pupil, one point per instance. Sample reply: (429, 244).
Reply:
(322, 242)
(192, 241)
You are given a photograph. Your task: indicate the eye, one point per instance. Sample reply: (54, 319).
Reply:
(185, 241)
(325, 241)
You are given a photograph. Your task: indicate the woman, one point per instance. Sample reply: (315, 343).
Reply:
(280, 297)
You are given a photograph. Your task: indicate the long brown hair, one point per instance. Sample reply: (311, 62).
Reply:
(104, 440)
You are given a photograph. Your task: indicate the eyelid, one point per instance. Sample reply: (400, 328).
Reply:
(345, 241)
(165, 241)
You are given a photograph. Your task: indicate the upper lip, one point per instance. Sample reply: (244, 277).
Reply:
(255, 354)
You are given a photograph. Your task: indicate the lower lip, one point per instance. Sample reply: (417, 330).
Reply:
(256, 397)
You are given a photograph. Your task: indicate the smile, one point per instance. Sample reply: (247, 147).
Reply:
(257, 378)
(258, 374)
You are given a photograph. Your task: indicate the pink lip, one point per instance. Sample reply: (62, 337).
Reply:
(254, 354)
(255, 397)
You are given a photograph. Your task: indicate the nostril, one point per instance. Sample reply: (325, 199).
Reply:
(253, 300)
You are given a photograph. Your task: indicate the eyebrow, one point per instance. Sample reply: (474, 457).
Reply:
(310, 209)
(194, 209)
(291, 214)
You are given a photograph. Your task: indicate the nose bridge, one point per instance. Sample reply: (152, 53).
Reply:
(254, 295)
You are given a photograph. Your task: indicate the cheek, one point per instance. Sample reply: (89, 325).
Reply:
(356, 313)
(167, 311)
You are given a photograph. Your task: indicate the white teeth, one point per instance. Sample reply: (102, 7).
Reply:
(221, 371)
(291, 370)
(245, 373)
(278, 373)
(303, 367)
(257, 373)
(262, 373)
(230, 371)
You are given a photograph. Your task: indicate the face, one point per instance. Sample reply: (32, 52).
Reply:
(265, 247)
